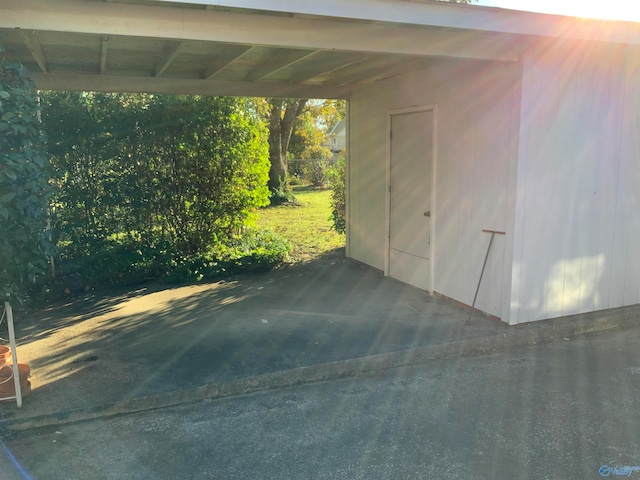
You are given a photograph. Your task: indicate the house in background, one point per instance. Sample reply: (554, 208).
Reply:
(462, 120)
(336, 139)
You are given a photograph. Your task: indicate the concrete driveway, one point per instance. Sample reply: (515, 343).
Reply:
(97, 351)
(145, 349)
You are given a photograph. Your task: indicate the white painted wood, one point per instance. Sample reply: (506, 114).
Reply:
(410, 197)
(625, 289)
(347, 179)
(576, 211)
(138, 84)
(472, 172)
(445, 15)
(368, 179)
(173, 23)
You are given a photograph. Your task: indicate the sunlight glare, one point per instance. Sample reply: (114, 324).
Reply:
(610, 10)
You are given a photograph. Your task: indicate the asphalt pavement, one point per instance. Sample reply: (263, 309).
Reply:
(564, 410)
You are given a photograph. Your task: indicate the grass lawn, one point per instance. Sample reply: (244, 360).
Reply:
(307, 226)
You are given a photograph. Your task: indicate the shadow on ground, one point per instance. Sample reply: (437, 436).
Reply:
(154, 340)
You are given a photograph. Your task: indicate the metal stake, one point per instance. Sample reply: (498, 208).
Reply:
(486, 257)
(14, 354)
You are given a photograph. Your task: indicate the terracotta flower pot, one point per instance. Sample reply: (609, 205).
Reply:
(7, 384)
(5, 354)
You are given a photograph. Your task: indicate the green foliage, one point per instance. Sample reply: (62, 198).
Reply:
(315, 170)
(282, 193)
(337, 180)
(155, 187)
(182, 170)
(312, 126)
(127, 263)
(24, 188)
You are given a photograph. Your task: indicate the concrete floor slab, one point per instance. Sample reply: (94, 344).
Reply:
(160, 346)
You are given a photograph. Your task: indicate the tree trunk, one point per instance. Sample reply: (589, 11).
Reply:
(282, 117)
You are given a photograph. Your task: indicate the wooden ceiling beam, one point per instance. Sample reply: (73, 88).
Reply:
(170, 53)
(320, 68)
(32, 43)
(145, 84)
(363, 70)
(346, 68)
(279, 61)
(180, 24)
(104, 49)
(216, 67)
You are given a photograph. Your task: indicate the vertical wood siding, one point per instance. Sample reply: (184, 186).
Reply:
(577, 228)
(474, 172)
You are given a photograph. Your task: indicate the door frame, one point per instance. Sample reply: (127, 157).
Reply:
(432, 219)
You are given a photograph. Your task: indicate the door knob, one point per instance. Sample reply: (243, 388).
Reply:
(427, 214)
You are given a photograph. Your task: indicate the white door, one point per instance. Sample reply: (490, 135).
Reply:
(410, 198)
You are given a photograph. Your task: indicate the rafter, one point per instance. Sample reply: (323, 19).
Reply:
(346, 68)
(31, 41)
(360, 71)
(103, 54)
(279, 62)
(171, 52)
(319, 67)
(219, 65)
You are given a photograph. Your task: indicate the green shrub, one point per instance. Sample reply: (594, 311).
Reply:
(337, 181)
(294, 179)
(282, 194)
(128, 263)
(24, 188)
(315, 169)
(185, 168)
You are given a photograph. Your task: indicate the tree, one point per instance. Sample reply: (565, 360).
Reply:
(337, 181)
(24, 188)
(282, 116)
(312, 126)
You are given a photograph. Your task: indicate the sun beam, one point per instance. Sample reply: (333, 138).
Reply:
(610, 9)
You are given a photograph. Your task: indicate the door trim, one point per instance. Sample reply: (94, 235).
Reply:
(387, 244)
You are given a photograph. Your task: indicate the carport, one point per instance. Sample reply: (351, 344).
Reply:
(462, 119)
(251, 48)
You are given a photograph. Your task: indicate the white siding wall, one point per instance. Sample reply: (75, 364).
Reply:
(577, 230)
(477, 114)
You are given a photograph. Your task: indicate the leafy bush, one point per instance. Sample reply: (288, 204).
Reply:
(315, 170)
(24, 188)
(294, 179)
(182, 169)
(128, 263)
(337, 181)
(282, 194)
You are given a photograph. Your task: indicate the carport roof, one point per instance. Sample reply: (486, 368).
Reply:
(301, 48)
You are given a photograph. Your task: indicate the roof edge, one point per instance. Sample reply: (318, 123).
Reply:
(445, 15)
